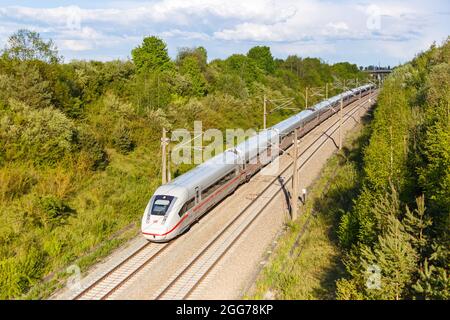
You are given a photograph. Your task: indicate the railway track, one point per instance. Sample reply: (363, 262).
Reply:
(113, 279)
(184, 282)
(190, 277)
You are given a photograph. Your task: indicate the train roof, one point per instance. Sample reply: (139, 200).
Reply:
(286, 126)
(215, 168)
(172, 189)
(253, 145)
(207, 172)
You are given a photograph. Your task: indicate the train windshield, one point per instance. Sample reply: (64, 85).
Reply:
(161, 205)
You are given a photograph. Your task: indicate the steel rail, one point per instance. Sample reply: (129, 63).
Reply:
(229, 225)
(141, 249)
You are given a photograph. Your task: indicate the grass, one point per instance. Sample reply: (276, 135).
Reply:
(36, 248)
(83, 212)
(307, 260)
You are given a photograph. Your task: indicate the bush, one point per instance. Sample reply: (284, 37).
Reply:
(232, 85)
(87, 143)
(122, 140)
(42, 136)
(26, 84)
(18, 273)
(53, 210)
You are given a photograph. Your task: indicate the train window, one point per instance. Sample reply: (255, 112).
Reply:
(210, 190)
(190, 204)
(187, 206)
(161, 205)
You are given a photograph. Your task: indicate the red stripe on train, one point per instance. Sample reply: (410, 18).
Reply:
(194, 209)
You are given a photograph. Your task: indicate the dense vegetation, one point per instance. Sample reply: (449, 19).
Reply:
(376, 225)
(307, 260)
(79, 141)
(398, 226)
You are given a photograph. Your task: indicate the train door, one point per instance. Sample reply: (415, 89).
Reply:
(197, 195)
(197, 198)
(302, 129)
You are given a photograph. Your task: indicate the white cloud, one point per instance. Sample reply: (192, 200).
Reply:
(338, 26)
(304, 49)
(174, 11)
(305, 25)
(76, 45)
(185, 34)
(86, 33)
(254, 32)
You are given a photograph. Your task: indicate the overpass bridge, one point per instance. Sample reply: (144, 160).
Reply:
(379, 74)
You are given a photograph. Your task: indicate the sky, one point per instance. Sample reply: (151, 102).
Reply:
(362, 32)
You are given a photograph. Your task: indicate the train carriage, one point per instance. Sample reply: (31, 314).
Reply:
(178, 204)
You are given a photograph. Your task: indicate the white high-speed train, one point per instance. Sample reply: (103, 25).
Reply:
(179, 203)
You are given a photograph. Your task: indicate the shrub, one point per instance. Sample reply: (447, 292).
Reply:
(232, 85)
(122, 140)
(42, 136)
(18, 273)
(26, 83)
(92, 148)
(53, 211)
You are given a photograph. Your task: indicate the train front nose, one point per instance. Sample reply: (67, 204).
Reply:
(154, 229)
(157, 217)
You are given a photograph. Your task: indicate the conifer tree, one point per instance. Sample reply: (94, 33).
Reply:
(415, 223)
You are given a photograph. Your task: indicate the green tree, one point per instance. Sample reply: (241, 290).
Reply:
(199, 53)
(409, 151)
(244, 67)
(26, 45)
(152, 91)
(233, 85)
(416, 222)
(151, 56)
(190, 67)
(345, 70)
(263, 58)
(434, 281)
(394, 258)
(26, 84)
